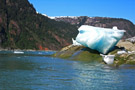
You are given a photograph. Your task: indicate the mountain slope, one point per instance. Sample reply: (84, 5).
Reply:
(101, 22)
(21, 27)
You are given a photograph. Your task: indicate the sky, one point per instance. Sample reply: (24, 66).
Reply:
(92, 8)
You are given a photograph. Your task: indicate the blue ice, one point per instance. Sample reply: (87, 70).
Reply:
(100, 39)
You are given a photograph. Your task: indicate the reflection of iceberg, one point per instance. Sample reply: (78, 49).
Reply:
(100, 39)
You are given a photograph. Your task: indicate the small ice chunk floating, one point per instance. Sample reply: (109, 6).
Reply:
(108, 59)
(18, 52)
(100, 39)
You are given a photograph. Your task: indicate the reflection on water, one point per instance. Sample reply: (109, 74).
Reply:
(30, 71)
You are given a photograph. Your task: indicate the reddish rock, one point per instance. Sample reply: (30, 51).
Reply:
(0, 20)
(46, 49)
(40, 47)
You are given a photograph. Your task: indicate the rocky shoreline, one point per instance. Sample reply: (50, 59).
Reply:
(82, 53)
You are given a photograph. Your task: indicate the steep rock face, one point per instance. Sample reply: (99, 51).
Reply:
(22, 28)
(101, 22)
(3, 22)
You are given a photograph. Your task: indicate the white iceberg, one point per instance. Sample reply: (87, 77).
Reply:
(100, 39)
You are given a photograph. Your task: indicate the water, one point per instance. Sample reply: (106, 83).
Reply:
(33, 70)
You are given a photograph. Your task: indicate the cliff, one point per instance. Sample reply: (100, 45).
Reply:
(101, 22)
(22, 28)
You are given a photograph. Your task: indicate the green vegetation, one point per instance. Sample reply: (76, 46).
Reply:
(85, 54)
(121, 24)
(80, 53)
(105, 22)
(21, 27)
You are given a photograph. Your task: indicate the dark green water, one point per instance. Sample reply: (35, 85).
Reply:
(35, 71)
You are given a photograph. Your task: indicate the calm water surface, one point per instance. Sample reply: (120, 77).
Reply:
(35, 71)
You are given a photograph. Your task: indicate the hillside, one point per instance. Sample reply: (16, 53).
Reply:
(101, 22)
(22, 28)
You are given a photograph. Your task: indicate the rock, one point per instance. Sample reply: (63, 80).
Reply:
(80, 53)
(132, 40)
(127, 45)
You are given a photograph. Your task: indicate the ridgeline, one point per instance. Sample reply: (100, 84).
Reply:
(104, 22)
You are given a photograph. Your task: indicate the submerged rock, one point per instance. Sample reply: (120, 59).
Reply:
(80, 53)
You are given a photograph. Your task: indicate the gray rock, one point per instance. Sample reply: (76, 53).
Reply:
(132, 40)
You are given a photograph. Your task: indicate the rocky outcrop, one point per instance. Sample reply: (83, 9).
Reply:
(101, 22)
(127, 45)
(85, 54)
(80, 53)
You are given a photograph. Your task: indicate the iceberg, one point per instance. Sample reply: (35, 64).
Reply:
(100, 39)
